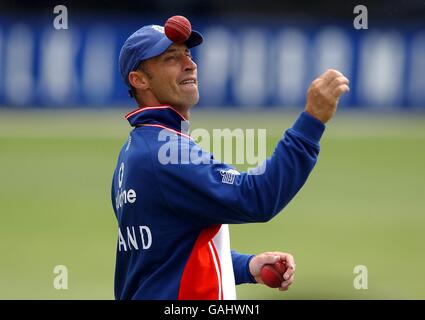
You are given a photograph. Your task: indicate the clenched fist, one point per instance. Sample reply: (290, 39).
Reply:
(324, 93)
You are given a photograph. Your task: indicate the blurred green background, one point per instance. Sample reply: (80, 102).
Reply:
(364, 204)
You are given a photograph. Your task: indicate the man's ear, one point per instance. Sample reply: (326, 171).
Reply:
(138, 80)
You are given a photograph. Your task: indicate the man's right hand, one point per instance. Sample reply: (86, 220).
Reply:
(324, 93)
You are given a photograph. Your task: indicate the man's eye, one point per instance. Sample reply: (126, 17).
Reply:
(170, 58)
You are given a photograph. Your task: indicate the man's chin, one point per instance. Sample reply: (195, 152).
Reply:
(182, 105)
(192, 101)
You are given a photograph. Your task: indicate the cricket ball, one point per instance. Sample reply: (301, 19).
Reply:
(272, 274)
(178, 28)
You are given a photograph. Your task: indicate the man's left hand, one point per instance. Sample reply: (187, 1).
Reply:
(262, 259)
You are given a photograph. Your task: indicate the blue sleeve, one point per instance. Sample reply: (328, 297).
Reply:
(198, 192)
(241, 267)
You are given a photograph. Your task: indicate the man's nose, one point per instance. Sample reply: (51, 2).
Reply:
(189, 64)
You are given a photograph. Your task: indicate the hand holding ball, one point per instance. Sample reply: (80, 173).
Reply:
(272, 274)
(178, 29)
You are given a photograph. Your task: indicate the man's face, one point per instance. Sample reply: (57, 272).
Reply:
(174, 77)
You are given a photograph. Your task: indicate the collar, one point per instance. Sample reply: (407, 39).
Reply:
(162, 116)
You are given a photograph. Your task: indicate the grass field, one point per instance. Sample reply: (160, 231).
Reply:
(364, 204)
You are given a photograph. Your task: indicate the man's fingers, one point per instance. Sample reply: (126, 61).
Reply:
(285, 284)
(338, 81)
(268, 258)
(339, 90)
(290, 270)
(290, 265)
(316, 82)
(289, 260)
(323, 94)
(329, 75)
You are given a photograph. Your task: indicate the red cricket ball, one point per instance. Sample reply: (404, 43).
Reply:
(272, 274)
(178, 28)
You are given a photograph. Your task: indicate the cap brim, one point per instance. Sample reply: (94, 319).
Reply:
(195, 39)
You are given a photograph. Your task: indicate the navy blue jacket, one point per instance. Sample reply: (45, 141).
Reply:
(173, 214)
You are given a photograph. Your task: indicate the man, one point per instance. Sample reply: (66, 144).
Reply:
(173, 240)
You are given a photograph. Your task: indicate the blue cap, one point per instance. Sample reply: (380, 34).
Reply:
(148, 42)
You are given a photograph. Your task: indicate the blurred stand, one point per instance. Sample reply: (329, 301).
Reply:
(256, 54)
